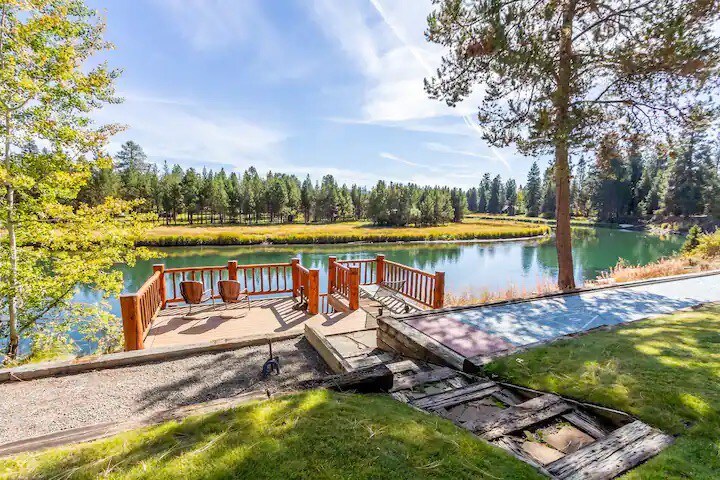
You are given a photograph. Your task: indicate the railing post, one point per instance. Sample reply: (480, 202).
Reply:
(439, 293)
(354, 286)
(295, 262)
(313, 294)
(161, 268)
(132, 328)
(232, 270)
(380, 269)
(332, 274)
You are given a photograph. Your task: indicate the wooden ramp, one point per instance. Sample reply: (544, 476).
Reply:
(562, 438)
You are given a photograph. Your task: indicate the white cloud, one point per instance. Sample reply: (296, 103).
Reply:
(387, 45)
(188, 133)
(395, 158)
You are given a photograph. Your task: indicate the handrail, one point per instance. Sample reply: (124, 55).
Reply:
(423, 287)
(306, 285)
(345, 281)
(367, 268)
(138, 309)
(257, 279)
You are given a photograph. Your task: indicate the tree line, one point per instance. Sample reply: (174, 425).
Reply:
(218, 197)
(624, 180)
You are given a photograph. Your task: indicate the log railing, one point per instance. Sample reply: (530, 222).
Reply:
(163, 287)
(345, 281)
(139, 308)
(306, 285)
(367, 269)
(428, 289)
(259, 279)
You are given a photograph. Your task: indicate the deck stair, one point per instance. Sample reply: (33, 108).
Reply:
(562, 438)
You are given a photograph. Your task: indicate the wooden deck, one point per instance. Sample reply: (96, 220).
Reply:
(268, 317)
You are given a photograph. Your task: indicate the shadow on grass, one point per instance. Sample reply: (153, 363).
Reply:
(316, 434)
(665, 371)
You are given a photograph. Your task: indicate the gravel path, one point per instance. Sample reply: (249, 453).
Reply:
(38, 407)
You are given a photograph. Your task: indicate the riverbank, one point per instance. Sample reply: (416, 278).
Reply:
(336, 233)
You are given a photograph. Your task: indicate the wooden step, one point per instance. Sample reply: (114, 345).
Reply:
(369, 360)
(455, 397)
(519, 417)
(338, 303)
(621, 450)
(435, 375)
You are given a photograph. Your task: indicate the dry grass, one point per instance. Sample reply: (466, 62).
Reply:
(513, 292)
(336, 233)
(665, 267)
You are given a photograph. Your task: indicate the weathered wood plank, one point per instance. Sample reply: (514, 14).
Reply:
(511, 446)
(373, 380)
(586, 423)
(606, 458)
(328, 353)
(369, 360)
(403, 366)
(457, 396)
(519, 417)
(507, 397)
(436, 375)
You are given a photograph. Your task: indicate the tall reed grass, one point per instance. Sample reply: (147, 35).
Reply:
(336, 233)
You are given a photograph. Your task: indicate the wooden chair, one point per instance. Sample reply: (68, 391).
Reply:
(231, 291)
(193, 293)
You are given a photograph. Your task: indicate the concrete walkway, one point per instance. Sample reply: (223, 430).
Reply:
(484, 330)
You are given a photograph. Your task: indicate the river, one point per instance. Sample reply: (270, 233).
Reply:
(468, 267)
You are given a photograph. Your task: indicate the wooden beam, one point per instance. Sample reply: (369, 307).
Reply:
(439, 291)
(132, 322)
(354, 287)
(380, 269)
(313, 291)
(163, 292)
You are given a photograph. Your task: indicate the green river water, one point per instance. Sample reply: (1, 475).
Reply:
(468, 267)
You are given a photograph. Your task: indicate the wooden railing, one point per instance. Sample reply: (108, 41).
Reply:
(139, 308)
(163, 287)
(259, 279)
(306, 285)
(367, 269)
(344, 278)
(425, 288)
(344, 281)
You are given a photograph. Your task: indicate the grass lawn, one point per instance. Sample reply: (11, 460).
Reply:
(343, 232)
(313, 435)
(665, 371)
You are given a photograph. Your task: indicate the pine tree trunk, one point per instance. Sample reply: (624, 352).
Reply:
(563, 242)
(14, 341)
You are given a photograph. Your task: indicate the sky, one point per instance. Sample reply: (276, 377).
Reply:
(296, 86)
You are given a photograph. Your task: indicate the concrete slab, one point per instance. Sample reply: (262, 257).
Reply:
(461, 337)
(483, 330)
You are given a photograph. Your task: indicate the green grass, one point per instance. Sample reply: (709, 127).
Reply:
(342, 232)
(665, 371)
(314, 435)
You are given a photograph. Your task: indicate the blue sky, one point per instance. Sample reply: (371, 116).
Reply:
(297, 86)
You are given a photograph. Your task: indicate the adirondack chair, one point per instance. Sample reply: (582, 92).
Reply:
(231, 291)
(194, 293)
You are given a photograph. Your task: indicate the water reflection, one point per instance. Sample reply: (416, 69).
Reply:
(468, 266)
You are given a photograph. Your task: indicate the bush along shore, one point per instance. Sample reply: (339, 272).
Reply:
(297, 234)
